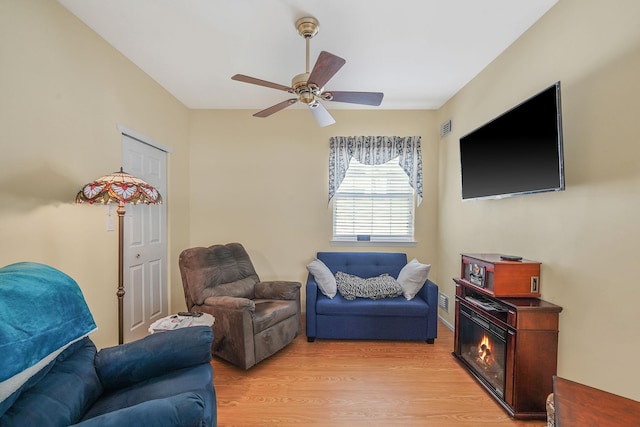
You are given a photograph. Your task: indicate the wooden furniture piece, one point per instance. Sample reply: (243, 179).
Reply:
(497, 276)
(531, 326)
(578, 405)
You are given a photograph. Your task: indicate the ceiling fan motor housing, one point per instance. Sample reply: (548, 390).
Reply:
(307, 27)
(306, 93)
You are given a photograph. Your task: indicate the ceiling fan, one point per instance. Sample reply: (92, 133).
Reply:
(309, 86)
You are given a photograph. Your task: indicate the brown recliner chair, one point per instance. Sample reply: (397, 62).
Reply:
(253, 319)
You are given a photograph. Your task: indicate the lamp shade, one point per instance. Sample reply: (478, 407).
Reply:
(119, 187)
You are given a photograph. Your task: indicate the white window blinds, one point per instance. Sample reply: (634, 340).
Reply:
(374, 202)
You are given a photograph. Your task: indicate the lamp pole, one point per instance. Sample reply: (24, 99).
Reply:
(120, 293)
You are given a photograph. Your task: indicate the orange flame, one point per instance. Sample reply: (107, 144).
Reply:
(485, 351)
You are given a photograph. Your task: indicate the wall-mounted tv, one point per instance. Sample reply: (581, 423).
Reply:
(518, 152)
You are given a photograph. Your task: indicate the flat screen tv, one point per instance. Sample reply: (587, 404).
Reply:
(518, 152)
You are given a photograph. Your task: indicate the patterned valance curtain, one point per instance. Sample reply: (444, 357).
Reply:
(375, 150)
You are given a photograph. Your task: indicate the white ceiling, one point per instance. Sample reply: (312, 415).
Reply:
(418, 52)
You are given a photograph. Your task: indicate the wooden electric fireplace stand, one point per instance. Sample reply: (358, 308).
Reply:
(532, 342)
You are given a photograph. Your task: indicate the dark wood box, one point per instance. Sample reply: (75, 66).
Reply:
(494, 276)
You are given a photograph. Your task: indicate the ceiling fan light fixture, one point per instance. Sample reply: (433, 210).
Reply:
(307, 97)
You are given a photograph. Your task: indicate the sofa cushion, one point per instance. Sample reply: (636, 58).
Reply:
(43, 311)
(120, 366)
(194, 378)
(270, 312)
(278, 289)
(219, 270)
(339, 306)
(364, 264)
(63, 395)
(324, 277)
(412, 277)
(352, 287)
(184, 409)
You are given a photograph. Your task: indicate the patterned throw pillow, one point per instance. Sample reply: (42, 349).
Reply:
(351, 287)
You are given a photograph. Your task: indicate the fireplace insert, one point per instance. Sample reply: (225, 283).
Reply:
(483, 345)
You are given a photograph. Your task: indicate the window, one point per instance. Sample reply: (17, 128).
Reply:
(374, 202)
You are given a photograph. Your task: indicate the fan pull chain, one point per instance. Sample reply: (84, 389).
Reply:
(308, 40)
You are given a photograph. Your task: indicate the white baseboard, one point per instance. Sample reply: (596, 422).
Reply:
(445, 323)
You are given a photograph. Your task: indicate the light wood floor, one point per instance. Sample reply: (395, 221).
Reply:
(357, 383)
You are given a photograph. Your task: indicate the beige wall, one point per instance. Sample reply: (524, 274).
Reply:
(264, 183)
(587, 236)
(63, 91)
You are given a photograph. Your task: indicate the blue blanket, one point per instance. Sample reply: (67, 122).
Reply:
(42, 310)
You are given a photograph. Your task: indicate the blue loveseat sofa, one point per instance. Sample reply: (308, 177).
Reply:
(52, 375)
(363, 318)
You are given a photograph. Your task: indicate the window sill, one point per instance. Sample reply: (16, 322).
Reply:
(373, 243)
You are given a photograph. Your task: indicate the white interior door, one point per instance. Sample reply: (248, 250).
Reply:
(145, 242)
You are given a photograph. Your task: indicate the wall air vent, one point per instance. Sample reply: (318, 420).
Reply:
(445, 128)
(443, 302)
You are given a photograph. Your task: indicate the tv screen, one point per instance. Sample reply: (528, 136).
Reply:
(519, 152)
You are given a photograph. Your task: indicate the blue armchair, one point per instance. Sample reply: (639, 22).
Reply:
(52, 374)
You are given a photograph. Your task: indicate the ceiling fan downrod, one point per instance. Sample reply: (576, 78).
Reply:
(307, 28)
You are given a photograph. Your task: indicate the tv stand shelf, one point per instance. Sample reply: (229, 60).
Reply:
(531, 326)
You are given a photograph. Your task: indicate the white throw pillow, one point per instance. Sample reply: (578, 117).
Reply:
(412, 278)
(324, 277)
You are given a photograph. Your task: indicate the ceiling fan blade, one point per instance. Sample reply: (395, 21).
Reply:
(259, 82)
(321, 115)
(365, 98)
(275, 108)
(326, 67)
